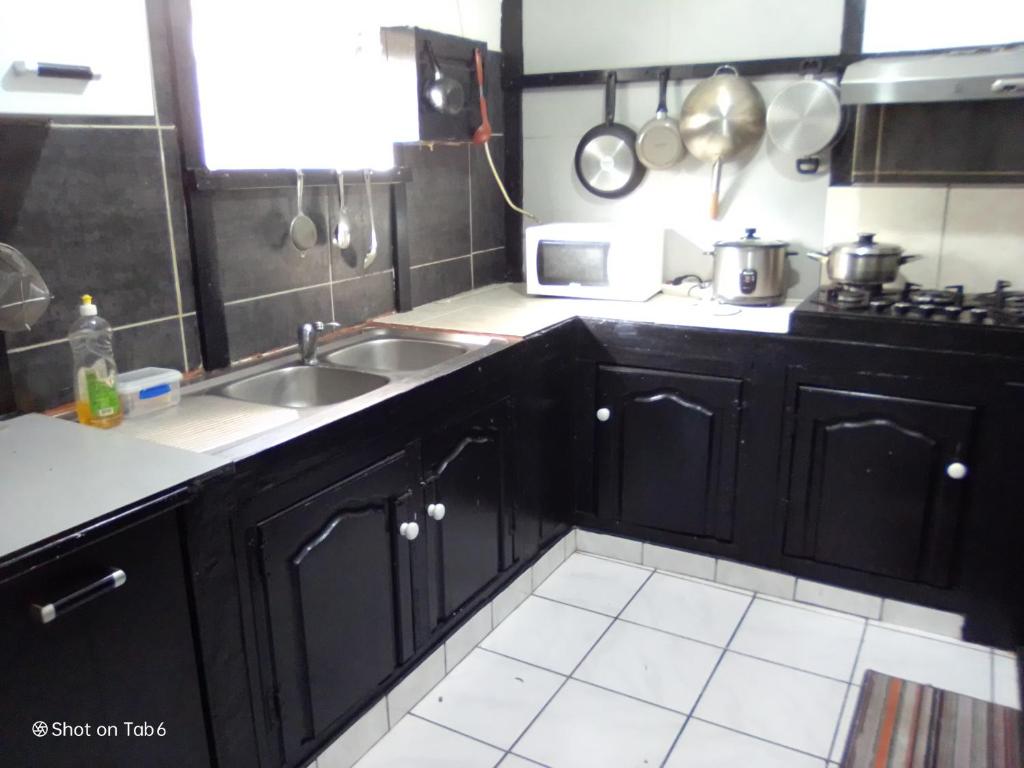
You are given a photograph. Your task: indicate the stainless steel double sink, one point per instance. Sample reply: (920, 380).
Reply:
(357, 366)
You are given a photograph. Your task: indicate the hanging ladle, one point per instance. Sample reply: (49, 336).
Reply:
(372, 253)
(302, 230)
(343, 231)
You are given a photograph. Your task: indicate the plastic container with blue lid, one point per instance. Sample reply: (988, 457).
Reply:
(148, 389)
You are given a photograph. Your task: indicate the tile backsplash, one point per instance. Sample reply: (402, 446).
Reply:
(98, 205)
(968, 236)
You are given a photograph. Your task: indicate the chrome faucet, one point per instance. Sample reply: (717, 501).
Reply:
(309, 335)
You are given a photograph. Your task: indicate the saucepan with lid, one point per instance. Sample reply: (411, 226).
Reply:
(863, 262)
(750, 271)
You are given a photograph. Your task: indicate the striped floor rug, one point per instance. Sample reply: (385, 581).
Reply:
(899, 724)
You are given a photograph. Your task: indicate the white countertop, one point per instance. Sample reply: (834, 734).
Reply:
(506, 309)
(56, 475)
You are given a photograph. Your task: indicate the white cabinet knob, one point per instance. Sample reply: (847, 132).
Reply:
(603, 414)
(436, 511)
(409, 530)
(956, 470)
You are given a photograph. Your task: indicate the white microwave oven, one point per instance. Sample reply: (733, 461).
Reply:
(594, 261)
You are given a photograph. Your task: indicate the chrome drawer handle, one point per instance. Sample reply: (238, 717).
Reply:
(48, 612)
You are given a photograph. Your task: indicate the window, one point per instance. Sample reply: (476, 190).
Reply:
(302, 84)
(920, 25)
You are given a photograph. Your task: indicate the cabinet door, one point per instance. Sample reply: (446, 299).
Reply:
(469, 541)
(110, 38)
(122, 651)
(877, 483)
(667, 446)
(337, 588)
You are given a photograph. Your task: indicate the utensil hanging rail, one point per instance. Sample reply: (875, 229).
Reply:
(751, 68)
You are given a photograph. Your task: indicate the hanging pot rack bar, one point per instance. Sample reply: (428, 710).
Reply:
(751, 68)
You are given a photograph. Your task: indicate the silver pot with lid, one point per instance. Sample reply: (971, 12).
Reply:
(750, 271)
(863, 262)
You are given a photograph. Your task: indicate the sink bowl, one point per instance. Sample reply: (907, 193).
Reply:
(302, 386)
(395, 354)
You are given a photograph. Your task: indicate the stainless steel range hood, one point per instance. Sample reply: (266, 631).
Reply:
(953, 76)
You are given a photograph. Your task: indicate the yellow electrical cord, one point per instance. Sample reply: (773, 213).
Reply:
(501, 185)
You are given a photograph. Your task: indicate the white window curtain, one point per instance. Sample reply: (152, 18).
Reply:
(296, 84)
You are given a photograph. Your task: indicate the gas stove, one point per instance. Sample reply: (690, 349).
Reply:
(947, 318)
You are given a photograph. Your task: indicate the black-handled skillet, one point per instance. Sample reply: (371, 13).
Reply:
(606, 160)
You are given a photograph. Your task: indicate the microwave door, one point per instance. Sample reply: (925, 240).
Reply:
(561, 262)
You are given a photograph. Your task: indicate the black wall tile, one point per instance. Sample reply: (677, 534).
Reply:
(489, 267)
(439, 281)
(253, 248)
(87, 207)
(269, 323)
(488, 204)
(156, 344)
(362, 298)
(348, 263)
(179, 221)
(193, 346)
(42, 377)
(492, 82)
(438, 198)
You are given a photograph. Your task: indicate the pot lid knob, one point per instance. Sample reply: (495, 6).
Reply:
(752, 233)
(866, 238)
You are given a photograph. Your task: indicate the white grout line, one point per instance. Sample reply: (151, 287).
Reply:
(488, 250)
(469, 175)
(441, 261)
(125, 327)
(174, 250)
(112, 127)
(247, 299)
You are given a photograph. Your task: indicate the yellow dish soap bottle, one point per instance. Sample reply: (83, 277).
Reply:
(92, 346)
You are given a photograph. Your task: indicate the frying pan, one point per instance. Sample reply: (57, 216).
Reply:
(722, 116)
(606, 161)
(659, 145)
(804, 120)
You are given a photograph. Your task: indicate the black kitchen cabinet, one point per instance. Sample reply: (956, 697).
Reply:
(337, 580)
(466, 472)
(117, 653)
(878, 483)
(667, 450)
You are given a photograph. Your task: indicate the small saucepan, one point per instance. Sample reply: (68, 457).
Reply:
(863, 262)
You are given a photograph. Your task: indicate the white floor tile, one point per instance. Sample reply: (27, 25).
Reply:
(414, 687)
(677, 561)
(948, 665)
(827, 596)
(920, 617)
(806, 638)
(511, 597)
(468, 636)
(552, 635)
(357, 740)
(425, 745)
(756, 579)
(700, 611)
(651, 665)
(704, 745)
(1006, 681)
(845, 723)
(594, 583)
(515, 761)
(609, 546)
(489, 697)
(587, 727)
(785, 706)
(548, 564)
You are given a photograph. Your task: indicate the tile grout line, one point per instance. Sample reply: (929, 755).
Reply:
(170, 239)
(441, 261)
(849, 688)
(704, 688)
(469, 178)
(587, 654)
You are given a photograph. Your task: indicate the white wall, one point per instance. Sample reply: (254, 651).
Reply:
(565, 35)
(475, 19)
(760, 190)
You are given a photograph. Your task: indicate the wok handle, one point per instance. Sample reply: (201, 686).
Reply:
(716, 181)
(907, 258)
(609, 98)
